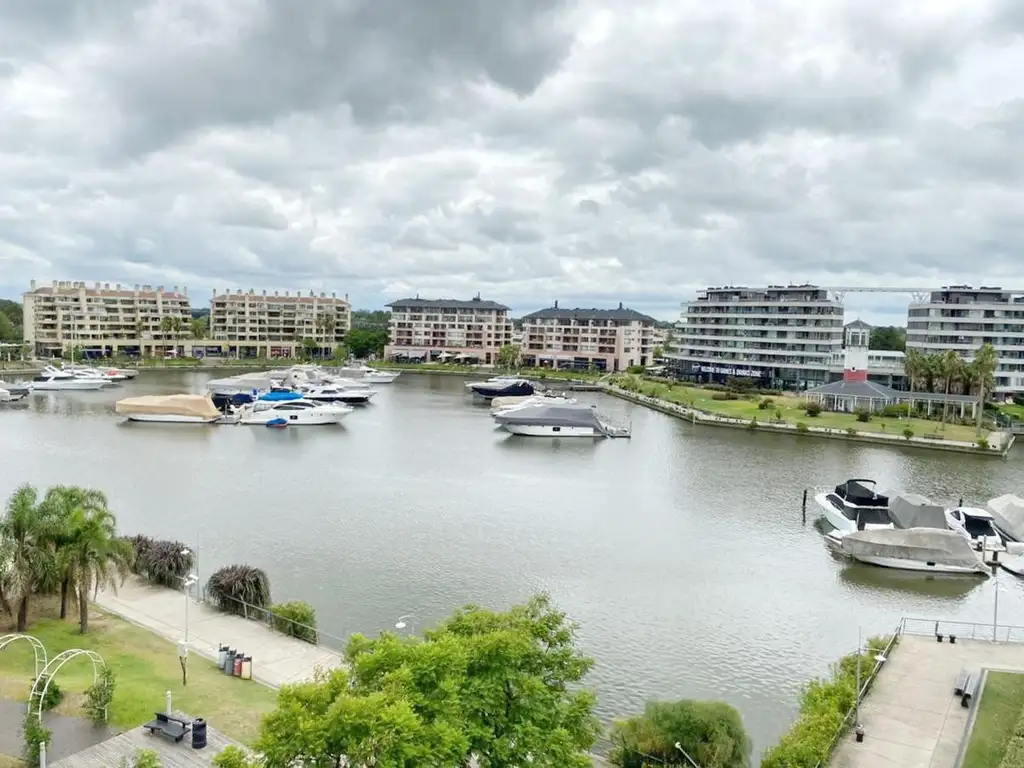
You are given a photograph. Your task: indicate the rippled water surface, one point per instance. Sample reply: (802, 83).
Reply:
(681, 552)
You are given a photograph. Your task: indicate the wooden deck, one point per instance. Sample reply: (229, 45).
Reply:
(110, 753)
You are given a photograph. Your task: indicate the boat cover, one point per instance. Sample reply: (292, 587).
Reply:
(1008, 512)
(200, 406)
(242, 383)
(861, 493)
(930, 545)
(281, 397)
(552, 416)
(912, 510)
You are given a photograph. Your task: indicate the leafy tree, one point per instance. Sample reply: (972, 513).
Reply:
(951, 367)
(509, 357)
(373, 320)
(888, 337)
(199, 326)
(326, 324)
(986, 360)
(310, 348)
(173, 326)
(26, 551)
(8, 331)
(12, 311)
(710, 732)
(363, 342)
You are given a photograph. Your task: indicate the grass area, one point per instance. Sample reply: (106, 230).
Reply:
(145, 667)
(1013, 411)
(1001, 705)
(789, 409)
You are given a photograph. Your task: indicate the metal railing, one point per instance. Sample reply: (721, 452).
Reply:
(280, 624)
(964, 630)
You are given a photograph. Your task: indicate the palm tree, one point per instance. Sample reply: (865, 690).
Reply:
(951, 365)
(26, 537)
(172, 325)
(986, 360)
(198, 328)
(913, 366)
(96, 556)
(63, 502)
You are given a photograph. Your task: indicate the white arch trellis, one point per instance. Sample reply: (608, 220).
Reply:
(57, 662)
(38, 649)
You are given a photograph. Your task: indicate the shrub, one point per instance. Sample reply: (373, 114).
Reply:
(896, 410)
(161, 562)
(711, 732)
(765, 404)
(143, 758)
(778, 414)
(982, 444)
(636, 370)
(99, 695)
(851, 431)
(752, 424)
(812, 409)
(725, 396)
(863, 415)
(235, 585)
(140, 546)
(801, 427)
(231, 757)
(34, 733)
(908, 433)
(297, 619)
(54, 695)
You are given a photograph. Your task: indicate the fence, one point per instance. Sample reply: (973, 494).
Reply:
(274, 621)
(965, 630)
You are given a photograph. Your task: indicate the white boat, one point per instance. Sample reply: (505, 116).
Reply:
(931, 550)
(855, 505)
(500, 404)
(547, 420)
(977, 525)
(53, 380)
(238, 390)
(16, 391)
(293, 412)
(84, 371)
(169, 409)
(334, 393)
(363, 372)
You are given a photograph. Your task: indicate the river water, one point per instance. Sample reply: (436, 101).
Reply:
(681, 552)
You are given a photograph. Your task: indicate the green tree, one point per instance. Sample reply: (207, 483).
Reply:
(986, 360)
(198, 327)
(710, 732)
(363, 342)
(888, 337)
(26, 552)
(310, 348)
(509, 357)
(914, 367)
(173, 326)
(372, 320)
(8, 331)
(950, 369)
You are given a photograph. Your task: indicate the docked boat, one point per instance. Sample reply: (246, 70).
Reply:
(558, 421)
(238, 390)
(977, 525)
(169, 409)
(855, 505)
(363, 372)
(15, 391)
(333, 393)
(1008, 516)
(501, 386)
(504, 403)
(296, 412)
(931, 550)
(112, 375)
(54, 380)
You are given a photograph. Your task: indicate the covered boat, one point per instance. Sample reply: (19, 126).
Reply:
(169, 409)
(558, 420)
(1008, 514)
(915, 549)
(912, 510)
(238, 390)
(501, 386)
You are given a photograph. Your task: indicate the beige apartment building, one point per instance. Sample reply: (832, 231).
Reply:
(104, 319)
(251, 324)
(448, 329)
(601, 339)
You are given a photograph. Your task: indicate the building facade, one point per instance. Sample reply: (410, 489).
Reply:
(448, 329)
(104, 319)
(962, 318)
(784, 336)
(601, 339)
(277, 324)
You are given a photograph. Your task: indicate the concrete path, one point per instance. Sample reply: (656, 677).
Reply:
(70, 734)
(911, 718)
(276, 658)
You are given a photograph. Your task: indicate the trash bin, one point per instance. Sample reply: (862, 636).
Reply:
(229, 662)
(247, 668)
(237, 671)
(222, 652)
(198, 733)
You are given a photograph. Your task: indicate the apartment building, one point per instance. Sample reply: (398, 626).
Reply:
(784, 335)
(448, 329)
(962, 318)
(244, 323)
(103, 320)
(601, 339)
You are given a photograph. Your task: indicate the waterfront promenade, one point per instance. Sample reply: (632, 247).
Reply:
(910, 716)
(276, 658)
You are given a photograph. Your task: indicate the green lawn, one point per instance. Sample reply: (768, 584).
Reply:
(791, 411)
(1001, 705)
(1013, 411)
(145, 667)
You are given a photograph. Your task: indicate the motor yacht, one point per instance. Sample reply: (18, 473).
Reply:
(855, 505)
(16, 390)
(335, 393)
(52, 379)
(503, 404)
(169, 409)
(501, 386)
(238, 390)
(558, 421)
(977, 526)
(296, 412)
(363, 372)
(85, 371)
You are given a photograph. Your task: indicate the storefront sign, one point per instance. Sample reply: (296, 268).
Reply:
(729, 370)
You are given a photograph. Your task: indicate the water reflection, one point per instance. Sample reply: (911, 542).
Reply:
(872, 578)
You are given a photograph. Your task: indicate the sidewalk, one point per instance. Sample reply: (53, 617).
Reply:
(276, 658)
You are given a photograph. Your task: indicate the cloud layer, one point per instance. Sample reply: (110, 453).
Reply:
(591, 151)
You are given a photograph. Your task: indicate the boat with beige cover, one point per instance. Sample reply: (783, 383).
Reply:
(169, 409)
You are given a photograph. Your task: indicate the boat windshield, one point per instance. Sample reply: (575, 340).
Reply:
(876, 516)
(978, 526)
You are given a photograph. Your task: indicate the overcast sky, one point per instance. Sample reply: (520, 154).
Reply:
(530, 150)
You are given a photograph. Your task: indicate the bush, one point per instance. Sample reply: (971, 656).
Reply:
(778, 414)
(802, 427)
(765, 404)
(863, 415)
(635, 370)
(54, 695)
(896, 410)
(982, 444)
(99, 695)
(711, 732)
(908, 433)
(143, 758)
(851, 431)
(725, 396)
(824, 704)
(752, 424)
(231, 757)
(297, 619)
(161, 562)
(34, 734)
(235, 585)
(812, 409)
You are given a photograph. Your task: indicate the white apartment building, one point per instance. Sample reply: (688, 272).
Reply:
(962, 318)
(785, 335)
(602, 339)
(448, 329)
(250, 324)
(103, 320)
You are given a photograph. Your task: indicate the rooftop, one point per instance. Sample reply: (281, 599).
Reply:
(474, 303)
(872, 390)
(622, 313)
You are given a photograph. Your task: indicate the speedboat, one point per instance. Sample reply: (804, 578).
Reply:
(84, 371)
(51, 380)
(297, 412)
(15, 391)
(169, 409)
(855, 505)
(333, 393)
(238, 390)
(558, 421)
(501, 386)
(977, 526)
(914, 549)
(363, 372)
(540, 398)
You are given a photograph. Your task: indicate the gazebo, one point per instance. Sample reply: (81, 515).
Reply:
(848, 396)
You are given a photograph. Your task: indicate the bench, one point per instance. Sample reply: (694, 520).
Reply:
(170, 726)
(970, 689)
(961, 681)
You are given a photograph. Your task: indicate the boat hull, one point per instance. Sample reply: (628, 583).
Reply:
(917, 565)
(489, 392)
(72, 385)
(380, 377)
(528, 430)
(348, 398)
(166, 418)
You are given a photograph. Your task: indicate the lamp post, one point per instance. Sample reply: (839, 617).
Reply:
(858, 728)
(689, 760)
(187, 583)
(405, 622)
(995, 605)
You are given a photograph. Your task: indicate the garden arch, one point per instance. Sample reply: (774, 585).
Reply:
(56, 663)
(38, 649)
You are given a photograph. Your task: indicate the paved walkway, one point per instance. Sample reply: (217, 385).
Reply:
(276, 658)
(70, 734)
(911, 718)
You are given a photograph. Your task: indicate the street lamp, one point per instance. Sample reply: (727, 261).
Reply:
(995, 607)
(858, 728)
(405, 622)
(690, 760)
(187, 583)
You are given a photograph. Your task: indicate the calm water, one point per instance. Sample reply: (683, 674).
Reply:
(681, 552)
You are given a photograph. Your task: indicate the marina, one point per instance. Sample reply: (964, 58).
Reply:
(682, 543)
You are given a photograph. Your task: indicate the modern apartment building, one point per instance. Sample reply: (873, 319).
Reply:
(448, 329)
(251, 324)
(102, 320)
(603, 339)
(962, 318)
(785, 335)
